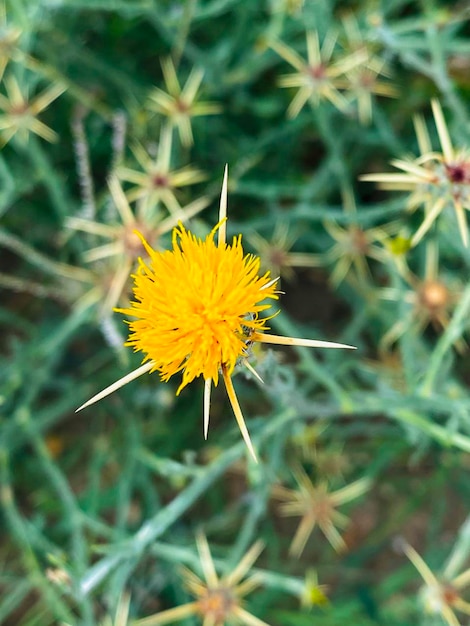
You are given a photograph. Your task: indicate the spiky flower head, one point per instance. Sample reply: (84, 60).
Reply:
(158, 183)
(122, 244)
(178, 104)
(315, 78)
(436, 180)
(202, 314)
(197, 309)
(353, 245)
(19, 113)
(430, 301)
(365, 79)
(218, 600)
(317, 505)
(276, 255)
(440, 595)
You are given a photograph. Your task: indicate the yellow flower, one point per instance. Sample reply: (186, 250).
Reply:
(204, 327)
(197, 308)
(436, 180)
(218, 601)
(314, 594)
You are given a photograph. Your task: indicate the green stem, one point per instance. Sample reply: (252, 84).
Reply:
(311, 365)
(47, 175)
(71, 512)
(459, 552)
(441, 77)
(188, 557)
(132, 549)
(189, 8)
(18, 530)
(452, 333)
(435, 431)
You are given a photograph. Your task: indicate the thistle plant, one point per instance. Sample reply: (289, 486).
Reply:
(437, 181)
(364, 80)
(276, 253)
(100, 510)
(216, 296)
(317, 505)
(353, 246)
(19, 113)
(178, 104)
(430, 299)
(316, 78)
(440, 595)
(157, 183)
(218, 600)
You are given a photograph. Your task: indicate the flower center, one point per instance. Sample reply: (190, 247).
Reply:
(434, 296)
(277, 257)
(160, 180)
(217, 605)
(181, 106)
(133, 246)
(317, 72)
(19, 109)
(367, 81)
(359, 242)
(322, 509)
(458, 173)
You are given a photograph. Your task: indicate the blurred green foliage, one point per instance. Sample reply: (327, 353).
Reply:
(100, 509)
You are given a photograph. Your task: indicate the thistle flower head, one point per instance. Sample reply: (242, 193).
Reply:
(218, 600)
(19, 113)
(363, 80)
(436, 180)
(197, 309)
(353, 245)
(317, 506)
(201, 315)
(276, 254)
(316, 78)
(430, 299)
(157, 183)
(178, 104)
(440, 595)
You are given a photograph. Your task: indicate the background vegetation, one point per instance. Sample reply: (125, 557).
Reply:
(100, 509)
